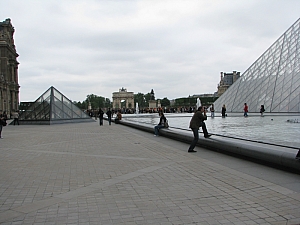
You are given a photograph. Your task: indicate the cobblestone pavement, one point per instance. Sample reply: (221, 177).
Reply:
(87, 174)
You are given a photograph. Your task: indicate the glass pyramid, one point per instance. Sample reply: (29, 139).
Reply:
(53, 107)
(273, 80)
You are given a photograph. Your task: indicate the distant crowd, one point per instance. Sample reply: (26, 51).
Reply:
(94, 113)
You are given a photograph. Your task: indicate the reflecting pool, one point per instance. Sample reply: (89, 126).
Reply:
(271, 128)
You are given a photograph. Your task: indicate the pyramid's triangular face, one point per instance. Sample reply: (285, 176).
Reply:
(53, 107)
(273, 80)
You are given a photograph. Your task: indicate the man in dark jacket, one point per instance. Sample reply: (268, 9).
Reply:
(197, 121)
(109, 113)
(100, 114)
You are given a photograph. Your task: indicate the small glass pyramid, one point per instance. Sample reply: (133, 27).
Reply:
(53, 107)
(273, 80)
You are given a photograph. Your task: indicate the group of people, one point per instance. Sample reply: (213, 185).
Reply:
(109, 114)
(223, 110)
(261, 110)
(196, 122)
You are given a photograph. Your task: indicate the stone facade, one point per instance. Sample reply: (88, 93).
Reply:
(227, 79)
(9, 86)
(152, 104)
(123, 95)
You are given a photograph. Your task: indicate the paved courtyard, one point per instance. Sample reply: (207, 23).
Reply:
(86, 174)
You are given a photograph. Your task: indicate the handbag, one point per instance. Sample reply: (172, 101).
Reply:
(166, 124)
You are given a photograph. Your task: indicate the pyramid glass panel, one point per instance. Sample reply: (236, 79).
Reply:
(53, 107)
(272, 80)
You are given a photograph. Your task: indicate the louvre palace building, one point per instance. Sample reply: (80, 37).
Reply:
(9, 86)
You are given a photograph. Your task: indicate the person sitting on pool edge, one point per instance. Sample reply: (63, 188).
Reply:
(118, 117)
(161, 123)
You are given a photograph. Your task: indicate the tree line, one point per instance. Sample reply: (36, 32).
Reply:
(97, 102)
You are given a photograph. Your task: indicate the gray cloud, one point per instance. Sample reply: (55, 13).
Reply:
(177, 48)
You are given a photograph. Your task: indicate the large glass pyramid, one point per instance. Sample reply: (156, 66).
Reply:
(273, 80)
(53, 107)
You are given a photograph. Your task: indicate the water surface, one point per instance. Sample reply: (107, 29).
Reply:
(271, 128)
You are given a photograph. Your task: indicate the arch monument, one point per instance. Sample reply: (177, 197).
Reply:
(118, 97)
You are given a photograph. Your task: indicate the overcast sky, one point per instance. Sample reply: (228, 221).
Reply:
(177, 48)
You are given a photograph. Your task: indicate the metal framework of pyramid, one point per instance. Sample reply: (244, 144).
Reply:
(273, 80)
(53, 107)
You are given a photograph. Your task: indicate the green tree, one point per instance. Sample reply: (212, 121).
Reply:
(187, 102)
(107, 103)
(192, 101)
(165, 102)
(147, 98)
(80, 105)
(206, 101)
(96, 102)
(140, 99)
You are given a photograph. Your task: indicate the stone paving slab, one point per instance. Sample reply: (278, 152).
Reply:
(87, 174)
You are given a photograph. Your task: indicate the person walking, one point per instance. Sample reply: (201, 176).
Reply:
(245, 110)
(3, 118)
(100, 114)
(16, 117)
(109, 113)
(224, 111)
(196, 122)
(212, 111)
(95, 114)
(161, 124)
(262, 109)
